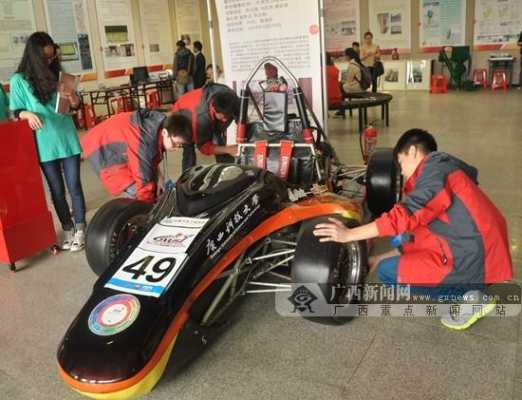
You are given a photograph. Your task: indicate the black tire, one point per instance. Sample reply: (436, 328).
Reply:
(110, 231)
(336, 267)
(382, 181)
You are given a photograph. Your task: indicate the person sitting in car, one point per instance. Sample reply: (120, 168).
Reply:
(451, 233)
(125, 150)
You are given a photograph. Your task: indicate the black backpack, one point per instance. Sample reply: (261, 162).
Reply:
(366, 77)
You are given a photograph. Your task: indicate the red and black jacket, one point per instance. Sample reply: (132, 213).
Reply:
(126, 149)
(459, 236)
(197, 106)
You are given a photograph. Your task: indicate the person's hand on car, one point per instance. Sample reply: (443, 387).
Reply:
(335, 231)
(33, 119)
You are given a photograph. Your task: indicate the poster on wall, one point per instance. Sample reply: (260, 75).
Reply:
(17, 24)
(498, 24)
(394, 77)
(68, 25)
(341, 24)
(188, 20)
(390, 23)
(251, 30)
(443, 23)
(116, 33)
(156, 30)
(418, 75)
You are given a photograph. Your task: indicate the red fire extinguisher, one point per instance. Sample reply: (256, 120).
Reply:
(369, 139)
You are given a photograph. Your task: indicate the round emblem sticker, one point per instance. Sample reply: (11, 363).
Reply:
(114, 314)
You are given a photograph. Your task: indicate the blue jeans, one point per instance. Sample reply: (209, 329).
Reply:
(53, 174)
(387, 273)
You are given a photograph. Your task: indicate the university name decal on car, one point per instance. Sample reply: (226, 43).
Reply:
(155, 262)
(243, 213)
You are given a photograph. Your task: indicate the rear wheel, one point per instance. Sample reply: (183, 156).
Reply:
(382, 181)
(111, 230)
(336, 267)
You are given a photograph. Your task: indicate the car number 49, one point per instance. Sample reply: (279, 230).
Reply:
(152, 273)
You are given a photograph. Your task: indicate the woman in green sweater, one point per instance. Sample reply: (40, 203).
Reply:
(33, 98)
(4, 104)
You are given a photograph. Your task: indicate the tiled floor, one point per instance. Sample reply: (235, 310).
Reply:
(264, 355)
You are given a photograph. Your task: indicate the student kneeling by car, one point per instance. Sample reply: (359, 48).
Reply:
(450, 231)
(126, 150)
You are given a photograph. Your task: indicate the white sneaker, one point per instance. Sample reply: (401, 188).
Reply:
(78, 241)
(68, 237)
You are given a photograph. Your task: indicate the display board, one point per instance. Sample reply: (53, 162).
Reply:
(443, 23)
(497, 24)
(394, 77)
(341, 24)
(418, 74)
(68, 25)
(390, 23)
(157, 32)
(116, 33)
(251, 30)
(188, 19)
(16, 25)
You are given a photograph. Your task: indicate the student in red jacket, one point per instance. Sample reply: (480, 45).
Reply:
(451, 232)
(126, 150)
(211, 110)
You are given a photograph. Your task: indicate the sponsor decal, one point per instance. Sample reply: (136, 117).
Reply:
(176, 240)
(114, 314)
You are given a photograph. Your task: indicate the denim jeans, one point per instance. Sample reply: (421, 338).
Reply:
(54, 171)
(387, 273)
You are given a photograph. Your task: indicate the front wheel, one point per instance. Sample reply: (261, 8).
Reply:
(111, 230)
(338, 268)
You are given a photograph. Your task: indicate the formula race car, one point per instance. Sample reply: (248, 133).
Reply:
(169, 274)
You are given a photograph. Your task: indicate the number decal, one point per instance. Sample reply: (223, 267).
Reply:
(137, 272)
(159, 270)
(163, 271)
(153, 265)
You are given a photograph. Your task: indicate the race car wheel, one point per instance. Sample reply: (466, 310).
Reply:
(382, 181)
(337, 268)
(111, 229)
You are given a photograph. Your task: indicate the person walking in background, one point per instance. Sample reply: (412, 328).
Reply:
(33, 98)
(200, 73)
(351, 78)
(370, 53)
(4, 104)
(183, 68)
